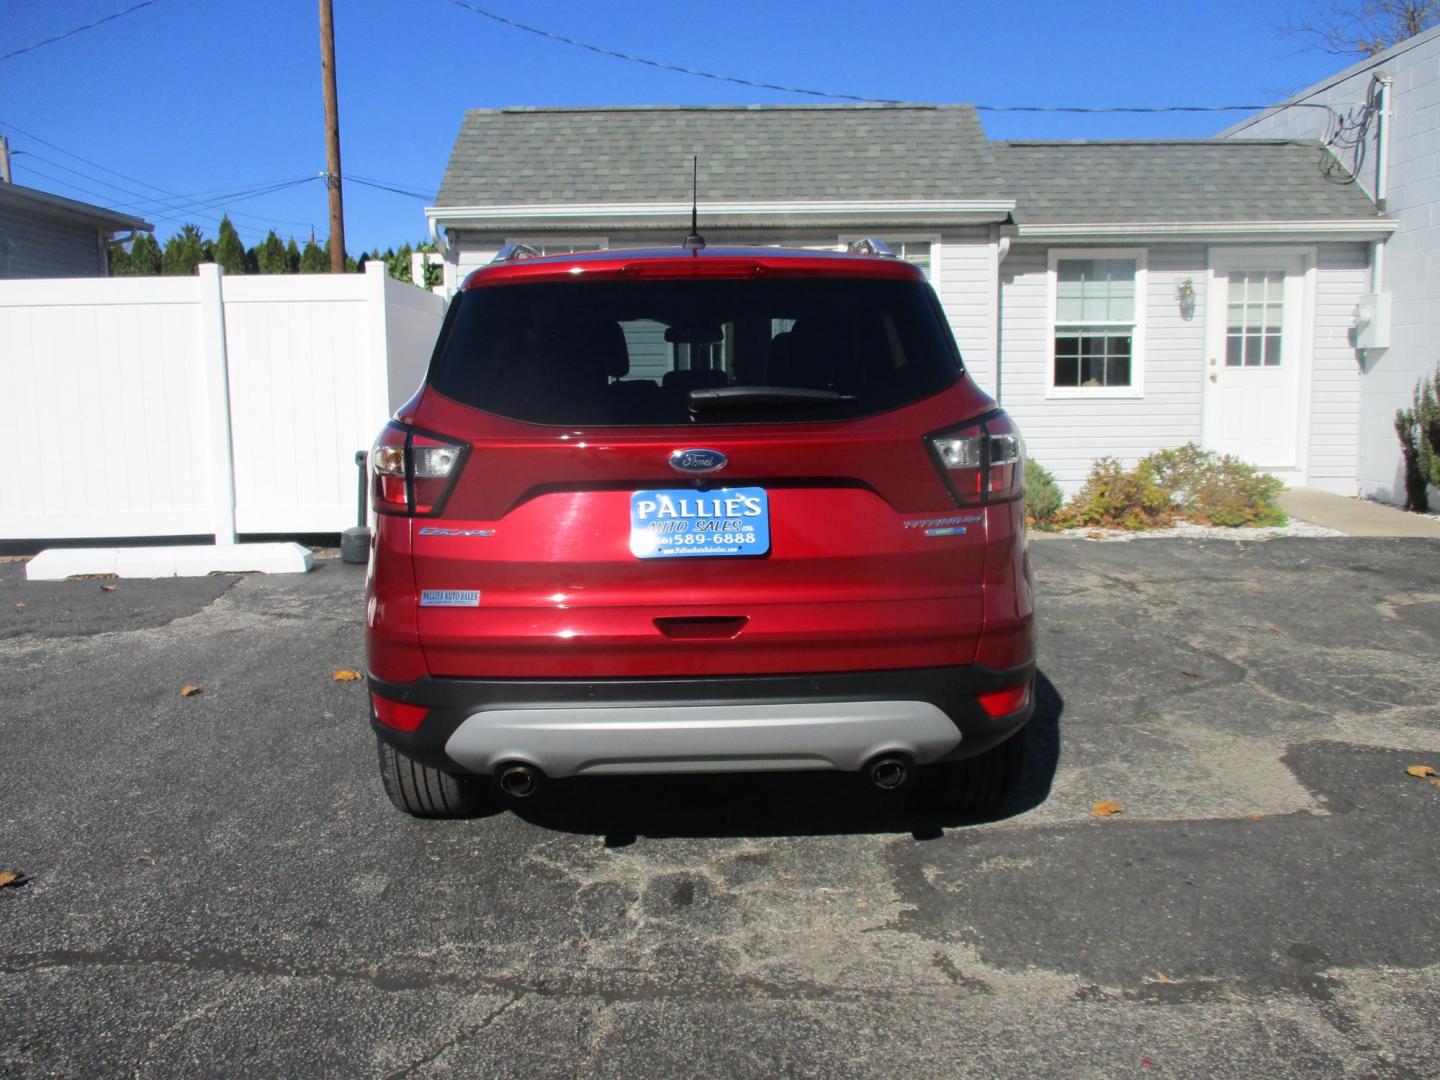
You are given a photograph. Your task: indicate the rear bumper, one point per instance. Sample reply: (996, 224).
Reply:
(835, 720)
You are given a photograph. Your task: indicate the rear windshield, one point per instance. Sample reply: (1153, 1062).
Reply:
(632, 352)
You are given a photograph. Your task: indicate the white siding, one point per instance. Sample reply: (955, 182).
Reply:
(1066, 435)
(40, 246)
(966, 284)
(1412, 257)
(1343, 274)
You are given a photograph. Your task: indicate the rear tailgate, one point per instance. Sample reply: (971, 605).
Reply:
(869, 564)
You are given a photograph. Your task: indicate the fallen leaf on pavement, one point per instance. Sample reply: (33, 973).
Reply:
(108, 588)
(1421, 771)
(189, 691)
(1107, 808)
(1257, 817)
(346, 676)
(1190, 674)
(10, 877)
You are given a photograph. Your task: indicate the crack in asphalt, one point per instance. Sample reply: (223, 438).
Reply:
(463, 1037)
(655, 985)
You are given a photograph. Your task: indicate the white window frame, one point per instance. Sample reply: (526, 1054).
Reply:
(903, 237)
(585, 243)
(1136, 389)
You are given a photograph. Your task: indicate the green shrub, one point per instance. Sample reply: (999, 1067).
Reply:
(1419, 431)
(1119, 498)
(1187, 482)
(1043, 496)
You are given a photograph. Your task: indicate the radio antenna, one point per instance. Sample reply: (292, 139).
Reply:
(694, 242)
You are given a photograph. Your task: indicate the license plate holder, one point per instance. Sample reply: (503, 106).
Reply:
(672, 523)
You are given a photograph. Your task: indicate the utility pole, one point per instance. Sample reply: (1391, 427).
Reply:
(4, 160)
(332, 139)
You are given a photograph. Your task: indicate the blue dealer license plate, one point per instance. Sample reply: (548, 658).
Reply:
(684, 523)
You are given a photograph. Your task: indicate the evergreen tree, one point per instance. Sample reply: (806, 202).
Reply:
(229, 251)
(292, 257)
(145, 258)
(183, 252)
(313, 259)
(397, 263)
(119, 260)
(270, 257)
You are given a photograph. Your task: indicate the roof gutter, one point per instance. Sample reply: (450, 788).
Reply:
(1355, 229)
(667, 215)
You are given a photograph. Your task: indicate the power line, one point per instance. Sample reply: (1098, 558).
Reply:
(239, 195)
(180, 214)
(423, 197)
(149, 204)
(79, 29)
(158, 217)
(153, 207)
(662, 65)
(87, 161)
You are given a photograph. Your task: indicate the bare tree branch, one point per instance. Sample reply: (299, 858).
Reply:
(1364, 27)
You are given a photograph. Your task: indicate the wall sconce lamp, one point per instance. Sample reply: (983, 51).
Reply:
(1185, 294)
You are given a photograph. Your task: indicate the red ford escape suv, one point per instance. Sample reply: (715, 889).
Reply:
(697, 510)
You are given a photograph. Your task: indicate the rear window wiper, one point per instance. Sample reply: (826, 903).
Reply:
(726, 397)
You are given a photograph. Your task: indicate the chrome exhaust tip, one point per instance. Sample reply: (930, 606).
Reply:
(889, 771)
(518, 780)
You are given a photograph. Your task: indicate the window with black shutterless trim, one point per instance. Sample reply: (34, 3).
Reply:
(1095, 323)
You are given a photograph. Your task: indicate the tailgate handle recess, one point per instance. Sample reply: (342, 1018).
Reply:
(702, 626)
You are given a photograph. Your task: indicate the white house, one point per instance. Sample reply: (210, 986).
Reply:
(1115, 297)
(1383, 116)
(46, 236)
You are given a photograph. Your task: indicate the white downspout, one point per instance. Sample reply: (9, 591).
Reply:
(1382, 178)
(1001, 235)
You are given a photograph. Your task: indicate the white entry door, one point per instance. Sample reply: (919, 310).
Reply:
(1254, 361)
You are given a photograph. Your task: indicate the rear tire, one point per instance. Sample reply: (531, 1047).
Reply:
(983, 782)
(424, 792)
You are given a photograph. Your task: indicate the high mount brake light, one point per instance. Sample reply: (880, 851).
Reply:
(709, 267)
(983, 461)
(413, 471)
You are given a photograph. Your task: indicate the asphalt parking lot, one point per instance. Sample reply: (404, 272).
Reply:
(218, 885)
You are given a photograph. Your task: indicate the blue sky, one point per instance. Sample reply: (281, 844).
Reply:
(198, 96)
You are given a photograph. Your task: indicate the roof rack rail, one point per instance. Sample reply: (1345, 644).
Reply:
(868, 245)
(510, 252)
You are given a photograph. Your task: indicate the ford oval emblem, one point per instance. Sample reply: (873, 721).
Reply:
(698, 461)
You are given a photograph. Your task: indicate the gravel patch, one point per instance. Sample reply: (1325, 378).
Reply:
(1191, 531)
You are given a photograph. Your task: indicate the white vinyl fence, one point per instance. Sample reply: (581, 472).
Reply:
(206, 405)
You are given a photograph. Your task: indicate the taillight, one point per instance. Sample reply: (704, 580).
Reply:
(398, 715)
(999, 703)
(413, 471)
(983, 462)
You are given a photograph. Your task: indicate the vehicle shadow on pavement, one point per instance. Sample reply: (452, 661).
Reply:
(621, 809)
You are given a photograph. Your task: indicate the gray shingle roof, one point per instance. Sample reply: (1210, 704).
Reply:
(1175, 181)
(769, 153)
